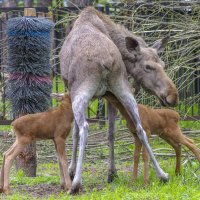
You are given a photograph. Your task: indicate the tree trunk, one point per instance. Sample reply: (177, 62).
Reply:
(28, 3)
(27, 160)
(44, 3)
(9, 3)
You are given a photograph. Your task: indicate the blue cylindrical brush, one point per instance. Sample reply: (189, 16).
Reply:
(29, 46)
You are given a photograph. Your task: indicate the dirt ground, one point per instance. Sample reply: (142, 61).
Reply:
(37, 191)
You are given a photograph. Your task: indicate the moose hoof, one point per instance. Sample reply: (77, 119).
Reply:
(75, 188)
(111, 176)
(164, 178)
(71, 174)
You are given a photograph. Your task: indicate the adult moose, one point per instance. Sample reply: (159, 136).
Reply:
(95, 58)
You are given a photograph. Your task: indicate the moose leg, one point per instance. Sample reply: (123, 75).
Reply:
(79, 104)
(72, 166)
(112, 113)
(124, 95)
(136, 157)
(64, 176)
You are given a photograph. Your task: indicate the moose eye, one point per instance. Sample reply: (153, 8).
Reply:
(148, 68)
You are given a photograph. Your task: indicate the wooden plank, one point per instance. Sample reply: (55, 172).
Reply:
(30, 12)
(8, 9)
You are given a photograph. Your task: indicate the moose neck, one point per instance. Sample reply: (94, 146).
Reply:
(117, 33)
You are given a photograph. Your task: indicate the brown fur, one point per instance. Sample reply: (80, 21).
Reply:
(162, 122)
(97, 56)
(96, 44)
(53, 124)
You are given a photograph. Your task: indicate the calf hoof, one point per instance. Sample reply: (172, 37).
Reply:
(65, 187)
(146, 182)
(133, 179)
(112, 176)
(75, 188)
(1, 189)
(6, 191)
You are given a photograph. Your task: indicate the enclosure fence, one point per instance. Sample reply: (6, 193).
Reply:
(152, 21)
(149, 20)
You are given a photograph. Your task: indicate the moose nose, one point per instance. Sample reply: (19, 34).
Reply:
(172, 99)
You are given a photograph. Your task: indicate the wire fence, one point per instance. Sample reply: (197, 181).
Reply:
(97, 149)
(149, 20)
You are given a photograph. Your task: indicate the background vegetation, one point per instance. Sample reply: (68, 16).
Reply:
(182, 65)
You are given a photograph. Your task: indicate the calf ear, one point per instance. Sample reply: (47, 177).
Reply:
(57, 96)
(132, 45)
(161, 44)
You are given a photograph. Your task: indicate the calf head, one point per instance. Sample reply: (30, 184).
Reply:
(62, 97)
(148, 70)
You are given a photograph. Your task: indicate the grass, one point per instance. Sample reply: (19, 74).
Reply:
(185, 186)
(46, 185)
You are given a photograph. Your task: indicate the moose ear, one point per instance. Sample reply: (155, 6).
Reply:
(161, 44)
(132, 45)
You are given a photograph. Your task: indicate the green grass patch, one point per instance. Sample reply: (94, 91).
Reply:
(185, 186)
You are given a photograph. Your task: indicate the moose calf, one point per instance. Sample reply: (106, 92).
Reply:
(164, 123)
(53, 124)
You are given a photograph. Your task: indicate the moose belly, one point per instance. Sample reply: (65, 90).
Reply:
(101, 90)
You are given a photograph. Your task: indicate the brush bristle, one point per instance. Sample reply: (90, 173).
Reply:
(29, 46)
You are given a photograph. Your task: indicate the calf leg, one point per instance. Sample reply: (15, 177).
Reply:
(112, 113)
(62, 159)
(191, 145)
(8, 158)
(124, 95)
(136, 157)
(182, 139)
(177, 148)
(176, 138)
(146, 165)
(2, 169)
(75, 135)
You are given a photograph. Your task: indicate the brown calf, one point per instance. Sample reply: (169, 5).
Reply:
(53, 124)
(162, 122)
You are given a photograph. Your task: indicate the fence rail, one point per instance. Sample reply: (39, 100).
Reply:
(151, 21)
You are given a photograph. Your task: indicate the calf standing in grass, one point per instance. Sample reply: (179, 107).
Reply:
(162, 122)
(53, 124)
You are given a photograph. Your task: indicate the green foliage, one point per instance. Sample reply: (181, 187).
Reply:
(183, 187)
(190, 125)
